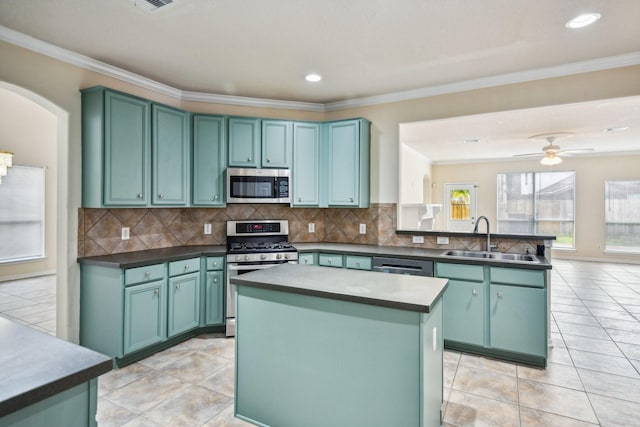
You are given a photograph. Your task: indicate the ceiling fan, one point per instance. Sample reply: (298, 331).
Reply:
(552, 152)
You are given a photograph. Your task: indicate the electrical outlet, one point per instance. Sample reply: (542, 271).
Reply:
(207, 229)
(125, 233)
(442, 240)
(418, 239)
(312, 227)
(363, 228)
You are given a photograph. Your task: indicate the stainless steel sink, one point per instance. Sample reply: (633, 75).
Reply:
(498, 256)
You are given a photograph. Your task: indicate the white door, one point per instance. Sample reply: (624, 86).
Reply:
(460, 206)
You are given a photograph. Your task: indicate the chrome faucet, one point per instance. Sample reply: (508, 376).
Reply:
(475, 230)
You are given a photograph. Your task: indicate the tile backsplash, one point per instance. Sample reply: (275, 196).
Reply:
(99, 230)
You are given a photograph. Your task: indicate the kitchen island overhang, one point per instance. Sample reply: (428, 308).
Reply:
(318, 346)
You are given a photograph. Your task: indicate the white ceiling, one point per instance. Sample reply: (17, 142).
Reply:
(362, 48)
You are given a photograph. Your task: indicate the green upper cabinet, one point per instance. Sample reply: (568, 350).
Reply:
(116, 149)
(277, 144)
(306, 164)
(244, 142)
(170, 156)
(209, 160)
(347, 163)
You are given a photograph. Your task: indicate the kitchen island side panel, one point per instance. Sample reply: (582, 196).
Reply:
(313, 361)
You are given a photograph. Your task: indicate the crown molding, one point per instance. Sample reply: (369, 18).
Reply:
(25, 41)
(599, 64)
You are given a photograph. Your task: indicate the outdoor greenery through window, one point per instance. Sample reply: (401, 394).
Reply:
(622, 216)
(538, 203)
(22, 214)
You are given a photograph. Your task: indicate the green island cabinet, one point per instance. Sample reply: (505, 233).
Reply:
(129, 313)
(353, 262)
(209, 160)
(213, 307)
(260, 143)
(496, 311)
(130, 158)
(306, 164)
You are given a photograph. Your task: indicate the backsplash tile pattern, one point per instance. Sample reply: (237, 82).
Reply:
(99, 230)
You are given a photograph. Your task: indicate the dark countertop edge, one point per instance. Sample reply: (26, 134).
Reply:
(425, 254)
(465, 234)
(177, 253)
(45, 391)
(419, 308)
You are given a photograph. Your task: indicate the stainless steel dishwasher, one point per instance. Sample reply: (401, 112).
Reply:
(414, 267)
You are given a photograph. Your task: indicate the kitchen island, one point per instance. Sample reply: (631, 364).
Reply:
(319, 347)
(47, 381)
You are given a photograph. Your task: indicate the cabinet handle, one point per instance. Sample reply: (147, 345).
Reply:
(139, 196)
(474, 292)
(329, 261)
(177, 285)
(161, 196)
(499, 294)
(215, 280)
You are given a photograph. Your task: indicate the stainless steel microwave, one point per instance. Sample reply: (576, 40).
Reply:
(246, 185)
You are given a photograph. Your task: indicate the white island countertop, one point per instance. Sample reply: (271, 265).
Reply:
(412, 293)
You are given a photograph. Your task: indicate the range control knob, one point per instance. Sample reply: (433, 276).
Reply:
(246, 257)
(263, 256)
(278, 256)
(286, 256)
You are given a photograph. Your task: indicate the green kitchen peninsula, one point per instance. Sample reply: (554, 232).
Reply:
(333, 347)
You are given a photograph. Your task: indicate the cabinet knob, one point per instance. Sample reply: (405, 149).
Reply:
(248, 159)
(156, 292)
(268, 160)
(215, 280)
(139, 196)
(299, 199)
(177, 285)
(161, 196)
(306, 261)
(215, 197)
(474, 292)
(329, 261)
(499, 294)
(147, 274)
(351, 199)
(215, 263)
(186, 267)
(357, 263)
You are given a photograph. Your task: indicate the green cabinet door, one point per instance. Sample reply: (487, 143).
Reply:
(306, 259)
(244, 142)
(518, 319)
(464, 307)
(145, 315)
(347, 163)
(214, 294)
(306, 164)
(209, 160)
(184, 303)
(170, 156)
(277, 144)
(127, 146)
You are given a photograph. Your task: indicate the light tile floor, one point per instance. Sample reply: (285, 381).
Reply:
(30, 302)
(593, 375)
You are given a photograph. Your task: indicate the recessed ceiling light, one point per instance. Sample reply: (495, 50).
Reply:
(313, 77)
(616, 129)
(582, 20)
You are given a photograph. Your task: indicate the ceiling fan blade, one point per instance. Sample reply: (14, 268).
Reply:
(529, 155)
(575, 151)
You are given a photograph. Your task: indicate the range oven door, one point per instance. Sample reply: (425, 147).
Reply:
(235, 269)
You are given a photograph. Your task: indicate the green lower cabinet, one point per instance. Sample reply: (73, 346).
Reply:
(214, 297)
(518, 319)
(145, 315)
(464, 307)
(330, 260)
(184, 303)
(358, 262)
(306, 259)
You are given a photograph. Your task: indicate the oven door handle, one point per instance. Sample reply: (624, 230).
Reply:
(236, 267)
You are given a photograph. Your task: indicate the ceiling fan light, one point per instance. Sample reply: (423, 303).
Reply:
(550, 160)
(583, 20)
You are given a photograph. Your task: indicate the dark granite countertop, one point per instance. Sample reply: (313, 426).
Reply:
(153, 256)
(416, 253)
(36, 366)
(412, 293)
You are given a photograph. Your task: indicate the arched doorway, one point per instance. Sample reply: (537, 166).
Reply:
(49, 149)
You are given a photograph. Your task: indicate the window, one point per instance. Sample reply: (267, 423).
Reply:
(537, 203)
(22, 214)
(622, 216)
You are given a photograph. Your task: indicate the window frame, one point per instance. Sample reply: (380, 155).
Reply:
(606, 222)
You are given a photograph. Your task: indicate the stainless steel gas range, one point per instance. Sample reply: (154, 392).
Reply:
(254, 245)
